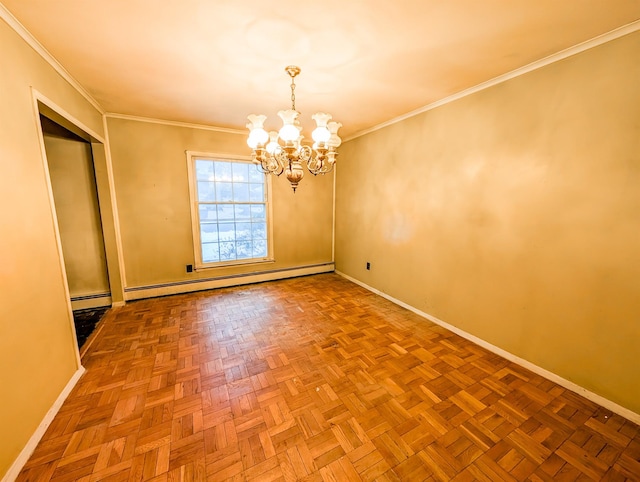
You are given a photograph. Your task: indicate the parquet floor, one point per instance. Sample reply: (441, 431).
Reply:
(313, 379)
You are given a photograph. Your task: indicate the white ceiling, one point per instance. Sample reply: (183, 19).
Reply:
(214, 62)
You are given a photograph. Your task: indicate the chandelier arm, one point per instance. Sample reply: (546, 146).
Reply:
(305, 154)
(323, 170)
(268, 163)
(314, 170)
(275, 166)
(259, 161)
(326, 163)
(282, 160)
(316, 164)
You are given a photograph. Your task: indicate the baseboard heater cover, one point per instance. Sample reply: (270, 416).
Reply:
(91, 296)
(96, 300)
(185, 286)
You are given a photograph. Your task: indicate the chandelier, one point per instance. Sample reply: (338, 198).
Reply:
(283, 151)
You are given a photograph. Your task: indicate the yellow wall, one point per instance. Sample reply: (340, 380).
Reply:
(37, 349)
(514, 215)
(76, 200)
(152, 192)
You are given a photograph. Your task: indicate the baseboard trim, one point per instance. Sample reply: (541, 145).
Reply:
(31, 445)
(563, 382)
(141, 292)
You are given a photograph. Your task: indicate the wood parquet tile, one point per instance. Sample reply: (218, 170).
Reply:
(315, 379)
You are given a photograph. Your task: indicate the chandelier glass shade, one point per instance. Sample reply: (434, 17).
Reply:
(283, 152)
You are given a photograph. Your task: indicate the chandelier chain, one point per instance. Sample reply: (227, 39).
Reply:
(293, 94)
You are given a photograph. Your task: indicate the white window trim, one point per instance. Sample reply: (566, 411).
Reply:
(195, 213)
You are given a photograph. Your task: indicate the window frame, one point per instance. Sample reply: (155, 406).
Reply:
(194, 204)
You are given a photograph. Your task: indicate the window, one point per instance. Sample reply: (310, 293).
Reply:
(229, 211)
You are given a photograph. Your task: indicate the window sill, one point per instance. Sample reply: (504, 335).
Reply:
(230, 264)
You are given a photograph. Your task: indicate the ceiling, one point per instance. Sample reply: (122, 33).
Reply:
(214, 62)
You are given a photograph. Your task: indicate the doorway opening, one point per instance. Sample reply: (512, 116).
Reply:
(77, 206)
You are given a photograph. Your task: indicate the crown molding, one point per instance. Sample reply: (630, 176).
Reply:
(538, 64)
(152, 120)
(21, 30)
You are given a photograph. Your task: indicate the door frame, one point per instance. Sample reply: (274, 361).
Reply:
(99, 148)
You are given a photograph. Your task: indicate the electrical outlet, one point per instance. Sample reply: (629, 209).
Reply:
(189, 268)
(368, 265)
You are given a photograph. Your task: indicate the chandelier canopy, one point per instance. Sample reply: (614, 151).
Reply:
(283, 151)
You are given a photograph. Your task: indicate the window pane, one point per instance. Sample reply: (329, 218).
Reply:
(240, 172)
(244, 250)
(241, 192)
(210, 253)
(227, 251)
(255, 174)
(258, 211)
(225, 212)
(223, 171)
(243, 212)
(259, 231)
(227, 231)
(204, 170)
(260, 249)
(209, 232)
(243, 231)
(208, 212)
(206, 191)
(256, 193)
(224, 191)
